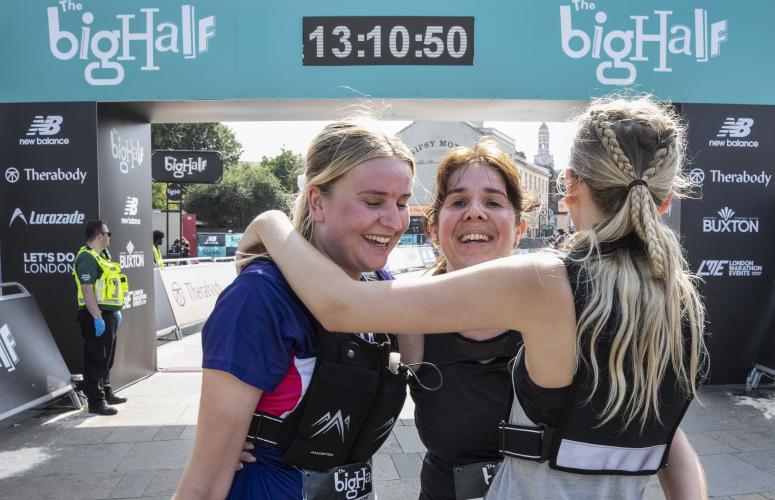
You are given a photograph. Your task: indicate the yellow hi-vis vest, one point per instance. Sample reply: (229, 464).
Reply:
(157, 257)
(111, 288)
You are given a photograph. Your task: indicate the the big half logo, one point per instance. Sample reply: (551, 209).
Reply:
(621, 50)
(8, 356)
(108, 50)
(43, 130)
(726, 222)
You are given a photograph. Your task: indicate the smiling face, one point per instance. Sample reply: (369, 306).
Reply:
(476, 222)
(362, 217)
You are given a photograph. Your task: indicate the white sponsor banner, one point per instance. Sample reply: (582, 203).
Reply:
(192, 290)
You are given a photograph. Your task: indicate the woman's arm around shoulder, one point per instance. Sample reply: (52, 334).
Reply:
(683, 478)
(515, 293)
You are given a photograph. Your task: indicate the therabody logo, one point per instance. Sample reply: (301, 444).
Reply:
(110, 46)
(697, 175)
(616, 47)
(726, 222)
(735, 128)
(12, 175)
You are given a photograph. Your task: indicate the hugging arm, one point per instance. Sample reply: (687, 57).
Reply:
(683, 477)
(225, 411)
(488, 295)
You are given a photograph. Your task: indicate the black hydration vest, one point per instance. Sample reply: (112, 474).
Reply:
(350, 407)
(580, 444)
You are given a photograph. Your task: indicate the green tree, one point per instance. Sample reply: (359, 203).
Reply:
(286, 167)
(245, 191)
(195, 136)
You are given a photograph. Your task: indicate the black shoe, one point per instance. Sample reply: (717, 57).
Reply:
(102, 408)
(114, 400)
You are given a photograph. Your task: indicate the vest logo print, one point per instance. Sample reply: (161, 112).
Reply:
(37, 218)
(726, 222)
(41, 132)
(736, 129)
(8, 355)
(131, 259)
(732, 268)
(337, 422)
(619, 49)
(107, 50)
(130, 210)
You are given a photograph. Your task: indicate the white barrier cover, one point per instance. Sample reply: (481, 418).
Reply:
(192, 290)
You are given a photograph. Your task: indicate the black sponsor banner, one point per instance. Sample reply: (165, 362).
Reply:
(48, 189)
(174, 192)
(125, 205)
(211, 239)
(190, 167)
(32, 370)
(729, 233)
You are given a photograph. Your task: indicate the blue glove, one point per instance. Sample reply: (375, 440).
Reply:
(99, 327)
(119, 318)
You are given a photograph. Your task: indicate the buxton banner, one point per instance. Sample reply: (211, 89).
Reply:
(729, 233)
(48, 190)
(125, 205)
(123, 50)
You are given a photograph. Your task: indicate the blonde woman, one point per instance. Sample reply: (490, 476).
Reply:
(614, 329)
(270, 371)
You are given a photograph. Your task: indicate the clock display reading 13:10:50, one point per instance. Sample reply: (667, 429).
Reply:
(398, 40)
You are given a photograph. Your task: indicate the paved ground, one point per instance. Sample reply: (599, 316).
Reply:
(60, 454)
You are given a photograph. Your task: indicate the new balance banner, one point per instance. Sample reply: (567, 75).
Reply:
(187, 167)
(730, 232)
(125, 205)
(32, 370)
(48, 190)
(193, 289)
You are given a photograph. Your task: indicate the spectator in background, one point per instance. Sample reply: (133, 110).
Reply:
(158, 239)
(174, 249)
(185, 248)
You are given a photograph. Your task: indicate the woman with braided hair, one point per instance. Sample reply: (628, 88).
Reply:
(613, 329)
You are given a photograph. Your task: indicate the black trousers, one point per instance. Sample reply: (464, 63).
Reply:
(98, 354)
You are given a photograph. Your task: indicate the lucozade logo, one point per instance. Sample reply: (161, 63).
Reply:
(615, 48)
(105, 45)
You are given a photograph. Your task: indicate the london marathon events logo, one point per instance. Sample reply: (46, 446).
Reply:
(726, 222)
(619, 49)
(731, 268)
(44, 131)
(107, 50)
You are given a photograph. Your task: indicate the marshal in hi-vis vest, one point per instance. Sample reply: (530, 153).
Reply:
(111, 288)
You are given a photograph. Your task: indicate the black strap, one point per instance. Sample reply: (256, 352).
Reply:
(265, 428)
(526, 442)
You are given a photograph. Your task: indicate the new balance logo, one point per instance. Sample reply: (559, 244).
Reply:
(45, 126)
(740, 127)
(336, 422)
(131, 206)
(8, 356)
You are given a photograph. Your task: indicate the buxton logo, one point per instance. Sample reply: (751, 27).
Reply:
(131, 259)
(731, 133)
(108, 49)
(41, 130)
(726, 222)
(8, 356)
(733, 268)
(35, 218)
(619, 48)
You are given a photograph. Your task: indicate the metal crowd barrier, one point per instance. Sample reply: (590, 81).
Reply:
(33, 371)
